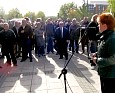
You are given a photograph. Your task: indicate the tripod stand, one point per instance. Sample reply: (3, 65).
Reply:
(64, 72)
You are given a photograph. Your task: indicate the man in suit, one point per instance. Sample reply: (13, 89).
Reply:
(7, 39)
(1, 28)
(17, 47)
(62, 39)
(25, 35)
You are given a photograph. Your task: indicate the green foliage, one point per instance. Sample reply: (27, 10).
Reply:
(14, 13)
(112, 6)
(83, 12)
(40, 14)
(2, 13)
(67, 11)
(30, 15)
(71, 10)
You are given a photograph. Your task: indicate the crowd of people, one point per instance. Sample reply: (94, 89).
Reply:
(62, 36)
(45, 37)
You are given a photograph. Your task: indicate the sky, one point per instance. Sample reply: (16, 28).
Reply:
(49, 7)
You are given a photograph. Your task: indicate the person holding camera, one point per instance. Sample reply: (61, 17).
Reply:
(106, 52)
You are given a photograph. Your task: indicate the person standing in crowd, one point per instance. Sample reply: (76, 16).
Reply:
(62, 39)
(1, 20)
(67, 25)
(56, 25)
(42, 27)
(8, 40)
(17, 47)
(106, 52)
(25, 35)
(92, 31)
(1, 28)
(83, 35)
(49, 33)
(30, 23)
(39, 34)
(74, 35)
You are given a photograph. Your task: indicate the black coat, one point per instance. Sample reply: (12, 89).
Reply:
(92, 30)
(66, 35)
(27, 34)
(7, 39)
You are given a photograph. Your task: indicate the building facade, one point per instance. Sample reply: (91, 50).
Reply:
(97, 7)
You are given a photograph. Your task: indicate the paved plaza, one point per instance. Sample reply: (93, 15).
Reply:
(41, 75)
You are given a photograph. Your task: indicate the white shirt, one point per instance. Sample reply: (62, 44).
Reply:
(62, 32)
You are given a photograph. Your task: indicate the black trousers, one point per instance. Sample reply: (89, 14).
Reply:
(26, 49)
(62, 48)
(76, 47)
(107, 85)
(10, 56)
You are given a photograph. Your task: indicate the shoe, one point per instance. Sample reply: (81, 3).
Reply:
(1, 56)
(31, 61)
(66, 58)
(15, 65)
(22, 60)
(43, 55)
(89, 57)
(52, 52)
(61, 58)
(56, 53)
(77, 52)
(8, 64)
(38, 55)
(47, 53)
(69, 49)
(82, 53)
(72, 52)
(18, 56)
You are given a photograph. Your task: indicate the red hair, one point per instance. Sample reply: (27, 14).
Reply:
(108, 19)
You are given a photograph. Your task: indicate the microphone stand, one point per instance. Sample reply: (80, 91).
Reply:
(64, 72)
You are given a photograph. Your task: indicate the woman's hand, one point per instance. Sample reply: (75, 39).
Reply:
(94, 59)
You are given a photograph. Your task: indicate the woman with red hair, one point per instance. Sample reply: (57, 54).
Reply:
(106, 52)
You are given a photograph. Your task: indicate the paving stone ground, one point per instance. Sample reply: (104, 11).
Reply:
(41, 76)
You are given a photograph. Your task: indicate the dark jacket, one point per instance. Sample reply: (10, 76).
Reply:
(50, 30)
(1, 28)
(65, 34)
(16, 32)
(28, 33)
(7, 38)
(92, 30)
(106, 54)
(74, 32)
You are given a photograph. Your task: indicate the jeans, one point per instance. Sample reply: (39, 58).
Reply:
(49, 44)
(93, 46)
